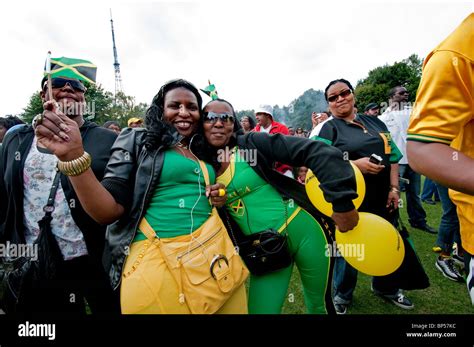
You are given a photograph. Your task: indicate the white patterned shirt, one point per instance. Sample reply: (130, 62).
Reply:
(38, 176)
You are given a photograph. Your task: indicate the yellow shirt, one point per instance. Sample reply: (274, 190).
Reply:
(444, 109)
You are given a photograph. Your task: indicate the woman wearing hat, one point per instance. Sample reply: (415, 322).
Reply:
(259, 198)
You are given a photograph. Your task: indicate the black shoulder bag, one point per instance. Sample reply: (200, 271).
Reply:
(24, 273)
(262, 252)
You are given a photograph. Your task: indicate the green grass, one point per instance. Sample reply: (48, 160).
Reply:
(442, 297)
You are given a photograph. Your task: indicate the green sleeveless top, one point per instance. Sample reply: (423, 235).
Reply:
(179, 204)
(252, 202)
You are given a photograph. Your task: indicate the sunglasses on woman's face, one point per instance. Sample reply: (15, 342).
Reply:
(211, 117)
(61, 82)
(344, 94)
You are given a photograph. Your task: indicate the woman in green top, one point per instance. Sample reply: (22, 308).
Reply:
(153, 175)
(256, 202)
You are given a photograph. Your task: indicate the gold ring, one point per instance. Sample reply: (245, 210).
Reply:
(39, 118)
(221, 192)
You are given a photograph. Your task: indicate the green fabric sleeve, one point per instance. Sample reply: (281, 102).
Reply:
(395, 154)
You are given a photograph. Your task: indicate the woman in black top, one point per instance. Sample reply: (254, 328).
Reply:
(358, 137)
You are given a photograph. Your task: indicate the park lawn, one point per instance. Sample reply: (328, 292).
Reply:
(442, 297)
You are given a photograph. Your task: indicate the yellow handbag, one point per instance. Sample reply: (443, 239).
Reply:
(205, 265)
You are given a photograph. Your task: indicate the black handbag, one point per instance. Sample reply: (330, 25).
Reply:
(263, 252)
(411, 274)
(27, 272)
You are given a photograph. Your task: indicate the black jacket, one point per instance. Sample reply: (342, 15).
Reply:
(97, 142)
(131, 176)
(133, 172)
(336, 176)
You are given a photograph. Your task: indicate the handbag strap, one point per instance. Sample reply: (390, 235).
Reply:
(49, 207)
(147, 230)
(229, 228)
(205, 173)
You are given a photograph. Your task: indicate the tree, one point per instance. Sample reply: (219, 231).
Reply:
(34, 107)
(122, 108)
(376, 86)
(98, 103)
(300, 109)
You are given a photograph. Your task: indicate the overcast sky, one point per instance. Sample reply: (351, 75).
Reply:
(254, 52)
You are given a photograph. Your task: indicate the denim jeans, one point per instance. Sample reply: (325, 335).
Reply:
(449, 226)
(345, 280)
(416, 213)
(429, 191)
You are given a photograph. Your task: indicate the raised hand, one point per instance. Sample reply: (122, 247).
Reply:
(59, 133)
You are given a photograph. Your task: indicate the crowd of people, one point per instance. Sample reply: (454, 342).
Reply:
(144, 216)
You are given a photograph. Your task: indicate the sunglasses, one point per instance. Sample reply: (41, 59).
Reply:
(344, 94)
(61, 82)
(211, 117)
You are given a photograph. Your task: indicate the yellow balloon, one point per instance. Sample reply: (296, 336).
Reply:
(360, 186)
(316, 196)
(373, 247)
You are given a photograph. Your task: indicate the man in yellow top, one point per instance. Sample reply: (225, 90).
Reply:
(441, 132)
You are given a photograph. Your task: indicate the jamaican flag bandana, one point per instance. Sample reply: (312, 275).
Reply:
(73, 68)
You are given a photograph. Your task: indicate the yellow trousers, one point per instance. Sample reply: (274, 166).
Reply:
(148, 286)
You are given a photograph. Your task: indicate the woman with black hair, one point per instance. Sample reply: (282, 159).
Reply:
(260, 198)
(366, 141)
(154, 192)
(247, 123)
(6, 124)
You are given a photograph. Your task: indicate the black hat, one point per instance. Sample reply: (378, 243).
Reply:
(371, 106)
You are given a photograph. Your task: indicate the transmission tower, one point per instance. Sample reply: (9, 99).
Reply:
(118, 78)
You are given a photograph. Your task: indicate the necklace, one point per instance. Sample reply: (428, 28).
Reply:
(180, 148)
(183, 148)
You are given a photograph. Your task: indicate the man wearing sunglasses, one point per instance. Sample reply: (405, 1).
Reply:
(397, 117)
(68, 94)
(27, 172)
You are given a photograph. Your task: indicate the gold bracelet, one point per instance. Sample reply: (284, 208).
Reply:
(76, 166)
